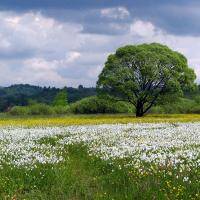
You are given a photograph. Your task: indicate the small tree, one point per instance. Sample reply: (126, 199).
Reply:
(144, 74)
(80, 87)
(61, 98)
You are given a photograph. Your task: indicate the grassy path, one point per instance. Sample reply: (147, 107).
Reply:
(83, 177)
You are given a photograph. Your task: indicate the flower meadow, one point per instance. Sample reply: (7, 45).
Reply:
(161, 155)
(161, 144)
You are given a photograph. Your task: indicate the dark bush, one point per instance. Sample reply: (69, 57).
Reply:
(92, 105)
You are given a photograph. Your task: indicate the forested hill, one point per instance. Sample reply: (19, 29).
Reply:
(23, 94)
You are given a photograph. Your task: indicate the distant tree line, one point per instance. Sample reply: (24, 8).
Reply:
(25, 94)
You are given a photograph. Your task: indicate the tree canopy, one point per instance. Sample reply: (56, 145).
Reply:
(144, 74)
(61, 98)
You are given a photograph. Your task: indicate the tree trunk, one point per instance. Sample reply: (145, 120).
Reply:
(139, 109)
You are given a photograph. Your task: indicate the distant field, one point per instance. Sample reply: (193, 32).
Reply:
(6, 120)
(101, 157)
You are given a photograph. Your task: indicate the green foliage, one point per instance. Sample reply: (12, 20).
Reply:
(92, 105)
(35, 109)
(24, 94)
(41, 109)
(19, 110)
(32, 102)
(96, 105)
(61, 98)
(144, 74)
(181, 106)
(61, 109)
(197, 99)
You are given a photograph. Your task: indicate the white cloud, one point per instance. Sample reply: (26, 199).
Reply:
(39, 64)
(13, 21)
(32, 71)
(72, 56)
(115, 13)
(39, 50)
(143, 29)
(44, 44)
(38, 33)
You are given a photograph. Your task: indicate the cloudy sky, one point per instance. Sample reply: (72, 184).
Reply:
(66, 42)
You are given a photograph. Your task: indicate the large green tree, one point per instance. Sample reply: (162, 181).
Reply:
(145, 74)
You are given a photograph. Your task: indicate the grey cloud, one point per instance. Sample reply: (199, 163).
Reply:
(174, 16)
(68, 46)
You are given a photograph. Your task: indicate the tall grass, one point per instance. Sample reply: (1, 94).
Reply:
(87, 177)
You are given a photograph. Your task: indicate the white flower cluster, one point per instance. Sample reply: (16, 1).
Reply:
(161, 144)
(24, 146)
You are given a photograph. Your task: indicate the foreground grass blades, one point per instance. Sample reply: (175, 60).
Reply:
(121, 161)
(87, 177)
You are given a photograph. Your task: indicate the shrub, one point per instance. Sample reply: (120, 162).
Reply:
(195, 109)
(197, 99)
(61, 109)
(61, 98)
(92, 105)
(183, 106)
(41, 109)
(19, 110)
(157, 110)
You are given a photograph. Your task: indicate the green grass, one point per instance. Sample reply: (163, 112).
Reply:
(84, 177)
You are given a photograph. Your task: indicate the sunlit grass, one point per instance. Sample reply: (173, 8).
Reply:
(85, 177)
(93, 119)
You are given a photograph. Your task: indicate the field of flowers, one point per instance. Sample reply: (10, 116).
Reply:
(102, 161)
(94, 119)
